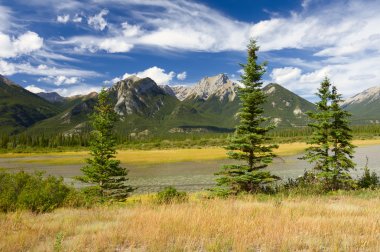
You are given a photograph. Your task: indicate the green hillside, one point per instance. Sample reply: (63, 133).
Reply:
(20, 109)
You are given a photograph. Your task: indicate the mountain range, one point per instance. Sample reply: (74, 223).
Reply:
(145, 107)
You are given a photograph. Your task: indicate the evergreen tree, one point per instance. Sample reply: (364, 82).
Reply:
(321, 124)
(249, 142)
(342, 148)
(331, 149)
(102, 168)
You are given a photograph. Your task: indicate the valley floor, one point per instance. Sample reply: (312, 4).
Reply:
(186, 169)
(347, 222)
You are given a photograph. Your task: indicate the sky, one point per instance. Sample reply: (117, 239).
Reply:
(79, 46)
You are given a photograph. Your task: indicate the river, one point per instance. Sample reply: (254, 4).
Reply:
(190, 176)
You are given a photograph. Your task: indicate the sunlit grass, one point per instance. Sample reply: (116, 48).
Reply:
(155, 156)
(329, 223)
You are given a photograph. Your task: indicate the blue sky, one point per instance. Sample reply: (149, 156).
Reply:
(75, 47)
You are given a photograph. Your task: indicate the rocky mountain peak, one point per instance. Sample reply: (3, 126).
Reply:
(367, 96)
(219, 85)
(167, 89)
(136, 95)
(51, 96)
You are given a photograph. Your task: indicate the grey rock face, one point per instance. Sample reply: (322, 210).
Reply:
(137, 96)
(219, 85)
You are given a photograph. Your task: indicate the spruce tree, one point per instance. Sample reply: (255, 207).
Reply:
(250, 142)
(318, 153)
(102, 168)
(342, 148)
(331, 150)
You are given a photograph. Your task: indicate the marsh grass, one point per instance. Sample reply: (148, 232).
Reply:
(338, 222)
(156, 156)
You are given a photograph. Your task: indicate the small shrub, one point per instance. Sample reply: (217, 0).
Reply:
(369, 180)
(31, 192)
(82, 198)
(307, 184)
(171, 195)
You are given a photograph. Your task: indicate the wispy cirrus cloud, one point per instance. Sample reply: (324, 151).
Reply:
(335, 38)
(7, 68)
(179, 25)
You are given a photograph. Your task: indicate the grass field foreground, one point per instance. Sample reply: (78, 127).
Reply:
(332, 223)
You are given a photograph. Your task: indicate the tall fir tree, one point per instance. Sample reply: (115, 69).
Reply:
(250, 142)
(102, 168)
(318, 153)
(342, 147)
(331, 150)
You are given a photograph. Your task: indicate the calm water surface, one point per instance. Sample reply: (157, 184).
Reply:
(190, 176)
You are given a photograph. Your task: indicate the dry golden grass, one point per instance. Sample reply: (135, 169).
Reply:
(335, 223)
(157, 156)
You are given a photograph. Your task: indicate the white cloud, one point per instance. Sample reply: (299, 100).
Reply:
(179, 25)
(113, 81)
(350, 78)
(81, 89)
(182, 76)
(339, 28)
(97, 21)
(34, 89)
(130, 30)
(60, 80)
(340, 40)
(285, 75)
(77, 19)
(94, 44)
(24, 44)
(63, 19)
(115, 46)
(7, 68)
(155, 73)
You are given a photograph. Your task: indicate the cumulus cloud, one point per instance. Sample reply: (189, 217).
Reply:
(114, 45)
(182, 76)
(113, 81)
(81, 89)
(63, 19)
(157, 74)
(34, 89)
(285, 75)
(97, 21)
(24, 44)
(77, 19)
(350, 78)
(130, 30)
(7, 68)
(60, 80)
